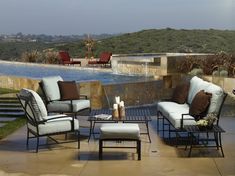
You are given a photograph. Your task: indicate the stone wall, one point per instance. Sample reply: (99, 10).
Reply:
(92, 89)
(150, 64)
(133, 94)
(18, 83)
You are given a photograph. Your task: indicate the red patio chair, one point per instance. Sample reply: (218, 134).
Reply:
(66, 59)
(103, 60)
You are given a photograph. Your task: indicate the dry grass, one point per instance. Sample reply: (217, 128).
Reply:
(47, 56)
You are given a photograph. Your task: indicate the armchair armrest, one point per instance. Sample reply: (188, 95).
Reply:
(182, 120)
(55, 118)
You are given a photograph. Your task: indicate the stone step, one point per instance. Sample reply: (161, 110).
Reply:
(8, 94)
(8, 98)
(7, 119)
(20, 113)
(10, 109)
(8, 104)
(9, 101)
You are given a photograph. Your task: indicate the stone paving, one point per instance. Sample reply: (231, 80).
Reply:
(158, 158)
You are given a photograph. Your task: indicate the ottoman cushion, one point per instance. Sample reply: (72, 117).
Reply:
(119, 131)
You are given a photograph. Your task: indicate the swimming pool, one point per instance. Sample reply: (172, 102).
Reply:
(35, 71)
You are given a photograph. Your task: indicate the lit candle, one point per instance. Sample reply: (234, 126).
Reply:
(122, 104)
(117, 99)
(115, 106)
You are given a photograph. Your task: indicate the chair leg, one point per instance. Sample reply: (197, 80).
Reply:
(27, 141)
(100, 149)
(139, 149)
(78, 139)
(37, 144)
(163, 130)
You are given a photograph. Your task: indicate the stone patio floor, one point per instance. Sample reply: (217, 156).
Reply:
(158, 158)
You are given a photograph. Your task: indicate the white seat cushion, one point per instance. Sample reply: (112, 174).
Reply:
(167, 107)
(173, 112)
(119, 131)
(51, 87)
(65, 106)
(175, 119)
(56, 125)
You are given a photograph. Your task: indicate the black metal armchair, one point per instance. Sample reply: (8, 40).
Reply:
(40, 124)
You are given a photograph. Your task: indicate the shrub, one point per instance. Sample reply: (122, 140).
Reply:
(216, 64)
(51, 56)
(30, 56)
(48, 56)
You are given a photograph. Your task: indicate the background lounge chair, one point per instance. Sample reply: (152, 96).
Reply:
(65, 59)
(103, 60)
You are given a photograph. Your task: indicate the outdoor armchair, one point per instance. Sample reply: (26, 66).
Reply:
(63, 99)
(40, 124)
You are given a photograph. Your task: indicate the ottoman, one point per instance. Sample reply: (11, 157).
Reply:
(120, 132)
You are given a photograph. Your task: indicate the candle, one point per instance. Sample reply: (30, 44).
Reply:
(122, 104)
(115, 106)
(117, 99)
(115, 111)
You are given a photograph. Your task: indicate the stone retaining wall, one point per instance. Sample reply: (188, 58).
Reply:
(133, 94)
(18, 83)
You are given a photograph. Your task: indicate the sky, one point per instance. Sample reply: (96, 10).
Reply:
(78, 17)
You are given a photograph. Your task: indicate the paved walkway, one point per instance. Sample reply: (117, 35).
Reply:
(158, 158)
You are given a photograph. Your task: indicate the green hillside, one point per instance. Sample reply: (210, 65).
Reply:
(170, 40)
(146, 41)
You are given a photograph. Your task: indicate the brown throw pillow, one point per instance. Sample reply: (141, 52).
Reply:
(180, 93)
(68, 90)
(200, 104)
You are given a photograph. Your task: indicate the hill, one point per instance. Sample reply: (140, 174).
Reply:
(145, 41)
(171, 40)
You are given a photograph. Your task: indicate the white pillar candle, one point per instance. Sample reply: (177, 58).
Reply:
(122, 104)
(117, 99)
(115, 106)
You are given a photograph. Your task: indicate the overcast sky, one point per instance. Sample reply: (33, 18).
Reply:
(65, 17)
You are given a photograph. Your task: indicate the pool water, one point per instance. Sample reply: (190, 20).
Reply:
(38, 71)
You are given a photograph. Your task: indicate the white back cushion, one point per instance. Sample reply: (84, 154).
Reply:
(51, 87)
(216, 99)
(196, 84)
(37, 104)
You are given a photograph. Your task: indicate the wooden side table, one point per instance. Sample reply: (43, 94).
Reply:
(194, 130)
